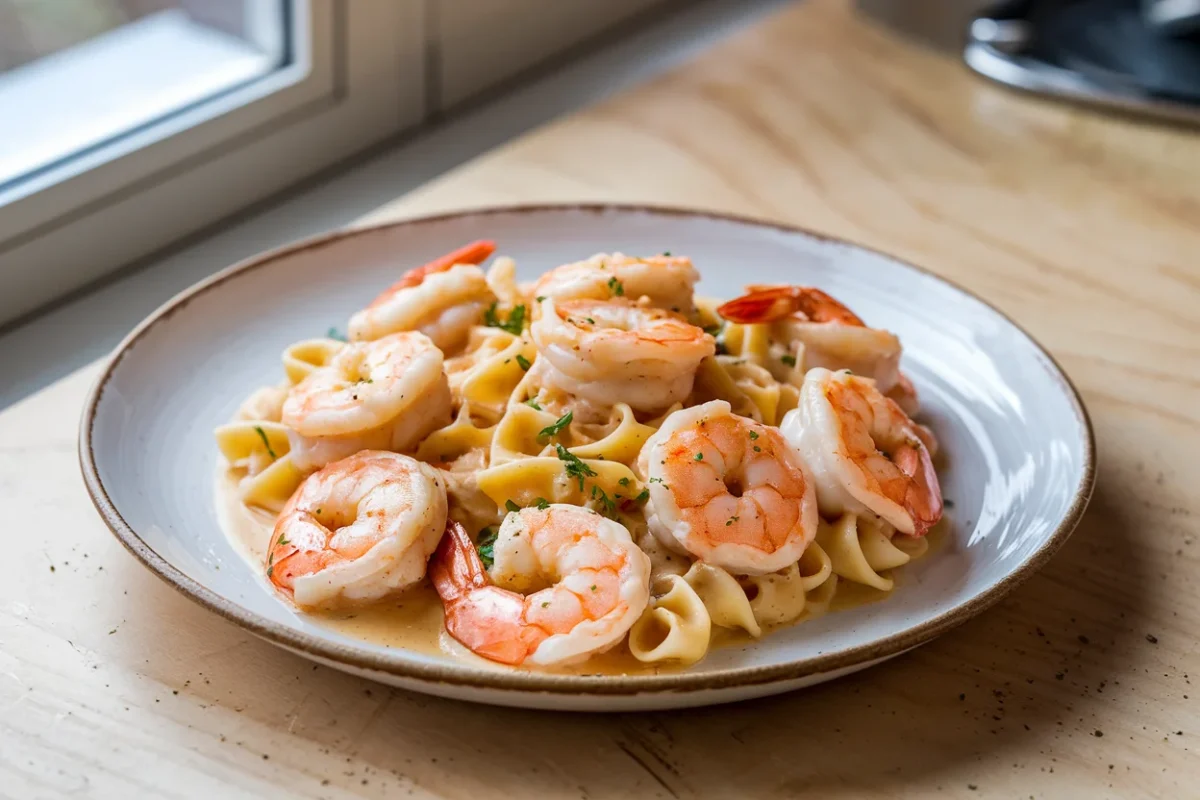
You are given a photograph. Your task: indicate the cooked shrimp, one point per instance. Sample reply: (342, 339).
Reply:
(667, 281)
(385, 394)
(865, 454)
(357, 530)
(599, 584)
(442, 299)
(832, 335)
(614, 351)
(728, 490)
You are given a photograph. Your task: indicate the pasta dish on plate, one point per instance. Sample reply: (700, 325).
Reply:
(596, 462)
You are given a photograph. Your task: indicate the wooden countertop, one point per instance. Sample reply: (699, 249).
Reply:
(1084, 228)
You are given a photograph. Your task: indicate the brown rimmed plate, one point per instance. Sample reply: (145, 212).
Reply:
(1019, 463)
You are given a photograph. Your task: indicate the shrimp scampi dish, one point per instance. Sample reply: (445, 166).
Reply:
(596, 471)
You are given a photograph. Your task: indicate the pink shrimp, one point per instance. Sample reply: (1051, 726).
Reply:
(600, 584)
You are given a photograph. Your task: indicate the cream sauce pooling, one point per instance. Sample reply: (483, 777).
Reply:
(414, 619)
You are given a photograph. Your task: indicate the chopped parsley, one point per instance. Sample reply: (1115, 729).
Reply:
(731, 520)
(485, 544)
(655, 480)
(593, 587)
(666, 253)
(608, 506)
(788, 359)
(643, 497)
(541, 503)
(540, 297)
(575, 468)
(282, 540)
(509, 505)
(757, 449)
(698, 457)
(266, 442)
(624, 481)
(546, 604)
(616, 287)
(753, 434)
(514, 324)
(553, 430)
(533, 403)
(523, 362)
(333, 333)
(590, 321)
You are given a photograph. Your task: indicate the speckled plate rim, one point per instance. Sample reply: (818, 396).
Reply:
(521, 681)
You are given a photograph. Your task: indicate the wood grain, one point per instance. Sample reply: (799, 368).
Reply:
(1083, 228)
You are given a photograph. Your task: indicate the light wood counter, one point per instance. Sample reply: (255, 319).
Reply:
(1084, 682)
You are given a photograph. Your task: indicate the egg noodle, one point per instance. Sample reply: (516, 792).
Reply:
(597, 459)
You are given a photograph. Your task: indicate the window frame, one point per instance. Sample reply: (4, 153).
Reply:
(359, 80)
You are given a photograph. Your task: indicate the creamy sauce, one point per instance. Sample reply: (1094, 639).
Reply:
(413, 620)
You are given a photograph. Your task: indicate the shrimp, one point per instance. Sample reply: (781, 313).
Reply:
(728, 490)
(866, 455)
(599, 584)
(357, 530)
(385, 395)
(615, 351)
(832, 335)
(442, 299)
(666, 281)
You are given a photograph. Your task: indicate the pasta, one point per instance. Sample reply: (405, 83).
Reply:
(619, 465)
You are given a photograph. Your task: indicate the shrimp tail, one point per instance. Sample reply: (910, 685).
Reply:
(474, 253)
(769, 303)
(480, 615)
(456, 568)
(762, 305)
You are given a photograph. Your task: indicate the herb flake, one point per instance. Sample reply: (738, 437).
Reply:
(266, 442)
(551, 431)
(575, 467)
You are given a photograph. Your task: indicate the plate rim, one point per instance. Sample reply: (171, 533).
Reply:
(517, 681)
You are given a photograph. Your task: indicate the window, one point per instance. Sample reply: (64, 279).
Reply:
(125, 124)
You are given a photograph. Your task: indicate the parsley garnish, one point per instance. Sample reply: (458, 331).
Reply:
(333, 333)
(643, 497)
(540, 297)
(615, 287)
(542, 504)
(753, 434)
(523, 362)
(655, 480)
(514, 324)
(266, 443)
(698, 457)
(731, 520)
(556, 428)
(608, 506)
(282, 540)
(593, 587)
(757, 449)
(666, 253)
(788, 359)
(575, 466)
(533, 403)
(486, 544)
(624, 481)
(511, 506)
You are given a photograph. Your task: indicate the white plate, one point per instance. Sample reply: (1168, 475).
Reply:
(1018, 465)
